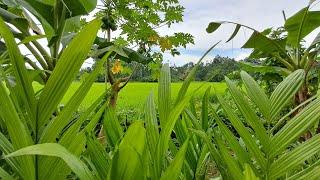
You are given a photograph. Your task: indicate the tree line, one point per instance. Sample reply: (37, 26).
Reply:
(213, 70)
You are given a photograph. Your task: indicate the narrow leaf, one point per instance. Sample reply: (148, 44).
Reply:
(56, 150)
(174, 169)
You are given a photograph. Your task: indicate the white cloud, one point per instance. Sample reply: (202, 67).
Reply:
(185, 58)
(242, 56)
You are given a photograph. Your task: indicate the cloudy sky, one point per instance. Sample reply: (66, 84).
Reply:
(259, 14)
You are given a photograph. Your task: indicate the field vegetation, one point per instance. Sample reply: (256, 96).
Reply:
(248, 120)
(135, 94)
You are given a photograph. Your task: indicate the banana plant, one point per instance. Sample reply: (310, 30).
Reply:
(260, 149)
(32, 118)
(287, 49)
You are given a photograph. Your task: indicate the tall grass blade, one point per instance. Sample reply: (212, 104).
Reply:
(174, 169)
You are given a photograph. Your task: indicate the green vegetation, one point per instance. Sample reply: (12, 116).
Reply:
(236, 128)
(135, 94)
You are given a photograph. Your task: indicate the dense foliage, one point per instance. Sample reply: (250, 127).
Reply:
(250, 132)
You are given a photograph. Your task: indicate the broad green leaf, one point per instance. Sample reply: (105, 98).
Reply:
(259, 41)
(301, 24)
(174, 169)
(54, 128)
(241, 154)
(43, 12)
(80, 7)
(112, 127)
(244, 134)
(164, 139)
(295, 157)
(16, 124)
(233, 167)
(164, 95)
(20, 22)
(23, 89)
(68, 66)
(213, 26)
(127, 161)
(264, 69)
(249, 114)
(98, 155)
(56, 150)
(249, 174)
(284, 92)
(296, 127)
(256, 94)
(204, 111)
(151, 121)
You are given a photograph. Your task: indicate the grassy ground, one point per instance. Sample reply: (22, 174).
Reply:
(135, 93)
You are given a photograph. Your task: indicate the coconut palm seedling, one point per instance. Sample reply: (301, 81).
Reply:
(261, 151)
(29, 118)
(138, 153)
(145, 151)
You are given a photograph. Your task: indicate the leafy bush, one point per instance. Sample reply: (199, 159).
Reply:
(32, 118)
(262, 150)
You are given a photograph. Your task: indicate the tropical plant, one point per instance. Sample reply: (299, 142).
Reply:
(138, 22)
(258, 149)
(144, 151)
(60, 21)
(28, 117)
(285, 46)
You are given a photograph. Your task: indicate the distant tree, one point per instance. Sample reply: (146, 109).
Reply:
(220, 67)
(138, 22)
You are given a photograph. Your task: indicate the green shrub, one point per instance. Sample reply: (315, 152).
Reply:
(264, 151)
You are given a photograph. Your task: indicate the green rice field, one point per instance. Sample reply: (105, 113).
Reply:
(135, 93)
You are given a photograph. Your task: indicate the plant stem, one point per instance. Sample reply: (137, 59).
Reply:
(37, 56)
